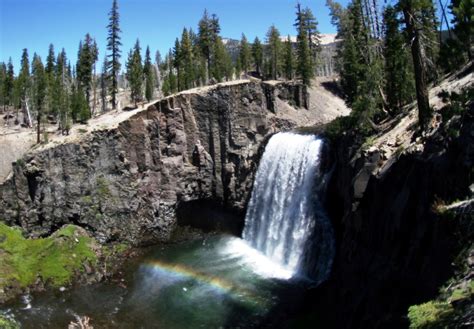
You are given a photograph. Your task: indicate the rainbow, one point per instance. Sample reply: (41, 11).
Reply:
(220, 285)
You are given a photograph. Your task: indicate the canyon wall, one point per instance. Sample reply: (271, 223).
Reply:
(127, 183)
(395, 244)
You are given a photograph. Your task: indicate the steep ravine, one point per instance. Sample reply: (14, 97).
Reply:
(395, 243)
(128, 183)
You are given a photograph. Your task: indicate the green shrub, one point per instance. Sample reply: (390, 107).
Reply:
(428, 315)
(103, 187)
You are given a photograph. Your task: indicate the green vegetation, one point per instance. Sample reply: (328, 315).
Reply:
(442, 312)
(429, 315)
(103, 187)
(112, 62)
(6, 323)
(453, 306)
(149, 74)
(456, 104)
(135, 73)
(54, 259)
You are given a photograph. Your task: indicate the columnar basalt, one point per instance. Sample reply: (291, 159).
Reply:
(126, 183)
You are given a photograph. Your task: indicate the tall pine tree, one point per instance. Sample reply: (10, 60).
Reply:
(3, 76)
(113, 46)
(149, 76)
(50, 78)
(87, 56)
(206, 39)
(257, 54)
(9, 84)
(420, 30)
(399, 80)
(39, 92)
(135, 73)
(187, 60)
(244, 54)
(463, 20)
(288, 60)
(104, 85)
(274, 52)
(24, 78)
(304, 67)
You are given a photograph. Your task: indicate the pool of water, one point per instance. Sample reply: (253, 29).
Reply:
(214, 282)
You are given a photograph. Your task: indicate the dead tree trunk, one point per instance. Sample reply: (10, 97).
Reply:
(38, 131)
(419, 63)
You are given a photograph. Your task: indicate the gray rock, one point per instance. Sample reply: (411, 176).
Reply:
(125, 183)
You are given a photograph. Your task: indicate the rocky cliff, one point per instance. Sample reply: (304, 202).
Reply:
(396, 244)
(130, 182)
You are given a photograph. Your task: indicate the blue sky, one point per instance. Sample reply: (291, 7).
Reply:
(34, 24)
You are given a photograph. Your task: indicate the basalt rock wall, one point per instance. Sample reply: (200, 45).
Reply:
(127, 183)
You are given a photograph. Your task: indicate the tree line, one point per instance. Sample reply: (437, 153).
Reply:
(57, 91)
(389, 55)
(386, 58)
(198, 59)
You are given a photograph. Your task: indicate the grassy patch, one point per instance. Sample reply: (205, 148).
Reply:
(429, 315)
(54, 259)
(369, 142)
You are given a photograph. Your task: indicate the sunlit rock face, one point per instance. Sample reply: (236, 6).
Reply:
(126, 183)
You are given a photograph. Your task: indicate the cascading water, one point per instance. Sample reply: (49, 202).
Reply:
(285, 219)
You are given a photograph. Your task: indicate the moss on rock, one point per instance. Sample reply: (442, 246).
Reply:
(54, 260)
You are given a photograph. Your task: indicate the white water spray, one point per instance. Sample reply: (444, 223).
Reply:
(284, 209)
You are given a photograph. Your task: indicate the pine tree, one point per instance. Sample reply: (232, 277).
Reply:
(39, 91)
(24, 77)
(158, 76)
(62, 97)
(244, 54)
(274, 49)
(257, 54)
(50, 61)
(52, 106)
(311, 25)
(113, 45)
(149, 76)
(288, 63)
(187, 60)
(3, 76)
(9, 84)
(104, 85)
(463, 15)
(304, 67)
(218, 67)
(177, 64)
(206, 40)
(87, 56)
(173, 83)
(399, 81)
(135, 73)
(359, 63)
(200, 62)
(79, 107)
(419, 27)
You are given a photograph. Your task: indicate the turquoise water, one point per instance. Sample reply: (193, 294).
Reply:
(215, 282)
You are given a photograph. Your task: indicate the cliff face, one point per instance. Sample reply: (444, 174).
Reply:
(127, 183)
(395, 247)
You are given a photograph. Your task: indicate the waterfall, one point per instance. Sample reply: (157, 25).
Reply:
(285, 219)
